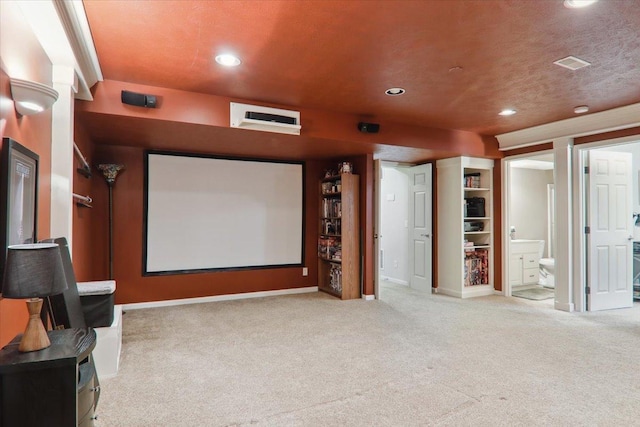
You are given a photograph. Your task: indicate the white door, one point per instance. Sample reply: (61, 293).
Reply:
(610, 218)
(377, 259)
(420, 233)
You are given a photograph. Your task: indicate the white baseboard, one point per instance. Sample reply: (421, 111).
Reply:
(569, 307)
(392, 280)
(368, 297)
(229, 297)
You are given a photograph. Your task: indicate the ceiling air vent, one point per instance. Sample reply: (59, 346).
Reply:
(266, 119)
(572, 63)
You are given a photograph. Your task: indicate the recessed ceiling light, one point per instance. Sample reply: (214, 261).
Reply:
(228, 60)
(581, 109)
(507, 112)
(395, 91)
(575, 4)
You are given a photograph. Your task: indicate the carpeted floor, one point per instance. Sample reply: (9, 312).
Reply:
(536, 294)
(409, 359)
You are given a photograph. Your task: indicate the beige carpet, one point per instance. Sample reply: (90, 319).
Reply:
(536, 294)
(407, 360)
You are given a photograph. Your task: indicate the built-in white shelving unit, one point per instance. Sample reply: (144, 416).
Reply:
(465, 226)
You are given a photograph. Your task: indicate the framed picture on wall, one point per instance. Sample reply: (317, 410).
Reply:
(18, 196)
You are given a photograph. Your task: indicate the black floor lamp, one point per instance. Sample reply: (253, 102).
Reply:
(110, 172)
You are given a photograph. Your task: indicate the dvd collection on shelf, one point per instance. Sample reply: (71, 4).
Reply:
(338, 233)
(476, 267)
(330, 248)
(472, 180)
(332, 226)
(335, 277)
(331, 208)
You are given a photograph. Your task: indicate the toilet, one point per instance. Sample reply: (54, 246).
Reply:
(547, 269)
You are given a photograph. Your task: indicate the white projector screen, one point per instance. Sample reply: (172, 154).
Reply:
(205, 213)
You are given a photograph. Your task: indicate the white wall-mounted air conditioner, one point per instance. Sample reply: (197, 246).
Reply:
(267, 119)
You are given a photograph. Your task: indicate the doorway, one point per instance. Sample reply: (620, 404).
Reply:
(609, 205)
(403, 226)
(529, 227)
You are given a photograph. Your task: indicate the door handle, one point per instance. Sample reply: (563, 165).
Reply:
(630, 238)
(425, 235)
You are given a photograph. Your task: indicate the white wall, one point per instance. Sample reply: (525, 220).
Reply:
(393, 225)
(528, 202)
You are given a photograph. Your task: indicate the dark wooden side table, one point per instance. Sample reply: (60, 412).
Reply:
(56, 386)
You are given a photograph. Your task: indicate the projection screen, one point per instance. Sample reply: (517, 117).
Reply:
(208, 213)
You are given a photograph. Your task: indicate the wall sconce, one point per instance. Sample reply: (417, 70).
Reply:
(31, 97)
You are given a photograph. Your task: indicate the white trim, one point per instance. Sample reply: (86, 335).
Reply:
(61, 219)
(228, 297)
(377, 218)
(73, 18)
(579, 239)
(563, 178)
(604, 121)
(568, 307)
(62, 30)
(368, 297)
(504, 167)
(475, 291)
(392, 280)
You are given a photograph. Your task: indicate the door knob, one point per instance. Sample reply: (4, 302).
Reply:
(425, 235)
(630, 238)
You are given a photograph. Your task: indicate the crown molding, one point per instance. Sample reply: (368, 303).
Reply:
(76, 27)
(589, 124)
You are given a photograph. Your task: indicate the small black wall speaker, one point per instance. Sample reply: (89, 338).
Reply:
(138, 99)
(368, 127)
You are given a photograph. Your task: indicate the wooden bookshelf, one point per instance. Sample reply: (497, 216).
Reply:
(339, 236)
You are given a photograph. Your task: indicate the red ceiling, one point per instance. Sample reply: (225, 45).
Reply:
(341, 56)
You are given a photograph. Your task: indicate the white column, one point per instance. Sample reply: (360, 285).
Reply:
(64, 81)
(562, 148)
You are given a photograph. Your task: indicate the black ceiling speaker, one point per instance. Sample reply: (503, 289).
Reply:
(368, 127)
(138, 99)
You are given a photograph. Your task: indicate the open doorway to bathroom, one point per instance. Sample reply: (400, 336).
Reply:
(530, 227)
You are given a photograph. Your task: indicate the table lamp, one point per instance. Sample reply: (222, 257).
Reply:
(33, 271)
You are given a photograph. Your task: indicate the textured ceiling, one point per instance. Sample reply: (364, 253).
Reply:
(342, 55)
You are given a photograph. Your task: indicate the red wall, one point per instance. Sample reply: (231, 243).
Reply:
(128, 228)
(34, 132)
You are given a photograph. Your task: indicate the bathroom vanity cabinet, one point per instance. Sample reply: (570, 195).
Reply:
(524, 262)
(465, 226)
